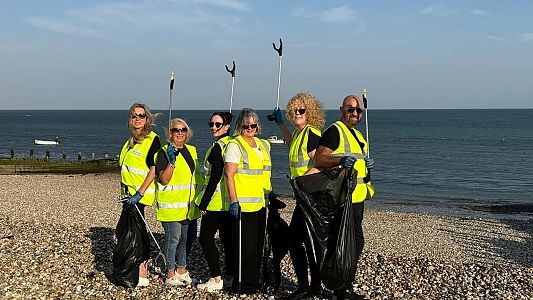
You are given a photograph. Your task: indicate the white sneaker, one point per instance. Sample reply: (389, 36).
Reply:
(211, 285)
(184, 278)
(143, 282)
(173, 281)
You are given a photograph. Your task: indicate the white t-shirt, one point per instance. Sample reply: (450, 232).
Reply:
(233, 153)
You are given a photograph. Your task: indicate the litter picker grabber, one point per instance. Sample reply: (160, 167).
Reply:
(232, 72)
(280, 54)
(160, 255)
(240, 251)
(366, 122)
(170, 101)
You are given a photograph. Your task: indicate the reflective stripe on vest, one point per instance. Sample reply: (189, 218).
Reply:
(175, 200)
(299, 160)
(220, 199)
(251, 175)
(349, 146)
(133, 169)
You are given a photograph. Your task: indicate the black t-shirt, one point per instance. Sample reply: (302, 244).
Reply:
(162, 160)
(156, 145)
(331, 139)
(312, 141)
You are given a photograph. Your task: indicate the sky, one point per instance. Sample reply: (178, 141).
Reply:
(407, 54)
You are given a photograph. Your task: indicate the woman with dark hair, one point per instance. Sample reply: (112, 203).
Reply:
(214, 205)
(248, 167)
(137, 169)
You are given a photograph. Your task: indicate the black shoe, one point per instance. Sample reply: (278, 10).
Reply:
(300, 294)
(347, 294)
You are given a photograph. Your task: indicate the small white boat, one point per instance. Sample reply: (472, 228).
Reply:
(45, 142)
(274, 140)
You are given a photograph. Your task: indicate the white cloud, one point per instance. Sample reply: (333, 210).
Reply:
(62, 27)
(438, 10)
(341, 14)
(198, 16)
(495, 38)
(527, 37)
(479, 12)
(231, 4)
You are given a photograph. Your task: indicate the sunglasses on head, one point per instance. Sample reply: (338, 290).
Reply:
(216, 124)
(140, 116)
(179, 130)
(251, 126)
(352, 109)
(300, 111)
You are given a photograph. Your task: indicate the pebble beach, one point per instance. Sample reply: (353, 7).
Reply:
(57, 237)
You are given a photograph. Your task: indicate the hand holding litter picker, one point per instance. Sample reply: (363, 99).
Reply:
(232, 72)
(366, 125)
(280, 54)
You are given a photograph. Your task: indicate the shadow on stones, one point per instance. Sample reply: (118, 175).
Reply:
(486, 241)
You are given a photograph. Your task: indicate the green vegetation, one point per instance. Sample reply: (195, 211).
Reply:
(29, 166)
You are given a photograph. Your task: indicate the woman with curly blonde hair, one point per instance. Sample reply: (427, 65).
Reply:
(306, 113)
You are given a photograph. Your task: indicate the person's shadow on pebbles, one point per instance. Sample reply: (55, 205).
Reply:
(102, 243)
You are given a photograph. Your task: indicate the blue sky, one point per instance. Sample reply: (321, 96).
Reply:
(407, 54)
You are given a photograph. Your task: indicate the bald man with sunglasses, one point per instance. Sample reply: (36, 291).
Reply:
(343, 145)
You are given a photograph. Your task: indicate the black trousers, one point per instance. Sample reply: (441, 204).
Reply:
(213, 221)
(301, 255)
(252, 237)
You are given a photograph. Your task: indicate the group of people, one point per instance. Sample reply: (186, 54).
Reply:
(230, 190)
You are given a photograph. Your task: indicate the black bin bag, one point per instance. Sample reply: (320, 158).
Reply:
(325, 199)
(132, 247)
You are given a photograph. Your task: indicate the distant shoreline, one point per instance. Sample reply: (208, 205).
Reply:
(39, 166)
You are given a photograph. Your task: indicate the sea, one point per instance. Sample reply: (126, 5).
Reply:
(471, 163)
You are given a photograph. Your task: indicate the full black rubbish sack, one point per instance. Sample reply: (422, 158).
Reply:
(132, 247)
(276, 245)
(326, 200)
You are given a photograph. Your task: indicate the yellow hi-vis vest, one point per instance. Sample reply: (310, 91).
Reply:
(176, 199)
(348, 145)
(299, 160)
(252, 175)
(220, 199)
(133, 169)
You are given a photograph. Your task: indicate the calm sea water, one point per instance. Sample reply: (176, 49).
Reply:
(452, 162)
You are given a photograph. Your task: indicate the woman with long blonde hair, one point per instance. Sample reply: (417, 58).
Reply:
(137, 172)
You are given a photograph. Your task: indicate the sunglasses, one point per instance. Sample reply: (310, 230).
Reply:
(179, 130)
(140, 116)
(300, 111)
(251, 126)
(352, 109)
(216, 124)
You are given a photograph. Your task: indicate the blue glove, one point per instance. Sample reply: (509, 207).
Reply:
(171, 155)
(369, 162)
(234, 209)
(277, 114)
(135, 198)
(347, 161)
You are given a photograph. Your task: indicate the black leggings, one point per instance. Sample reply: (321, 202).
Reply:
(211, 222)
(301, 255)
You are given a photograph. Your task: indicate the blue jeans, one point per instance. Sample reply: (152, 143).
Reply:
(175, 244)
